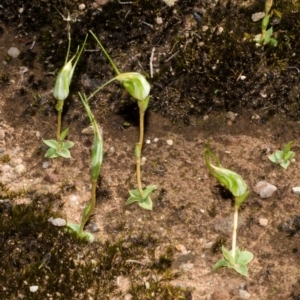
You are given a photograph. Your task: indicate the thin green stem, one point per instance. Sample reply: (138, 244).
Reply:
(235, 224)
(138, 176)
(106, 54)
(90, 208)
(58, 125)
(140, 145)
(99, 88)
(142, 118)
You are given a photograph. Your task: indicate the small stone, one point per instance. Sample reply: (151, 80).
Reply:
(81, 6)
(220, 30)
(296, 190)
(231, 115)
(46, 164)
(143, 160)
(170, 142)
(88, 130)
(159, 20)
(148, 141)
(57, 222)
(243, 77)
(20, 169)
(263, 222)
(204, 28)
(258, 16)
(51, 177)
(33, 288)
(244, 294)
(155, 140)
(13, 52)
(94, 228)
(264, 189)
(205, 118)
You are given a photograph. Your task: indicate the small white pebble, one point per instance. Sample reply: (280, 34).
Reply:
(57, 222)
(205, 118)
(170, 142)
(143, 160)
(263, 222)
(13, 52)
(155, 140)
(38, 134)
(244, 294)
(46, 164)
(296, 190)
(159, 20)
(243, 77)
(148, 141)
(81, 6)
(33, 288)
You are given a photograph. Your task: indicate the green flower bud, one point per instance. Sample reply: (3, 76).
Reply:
(231, 180)
(135, 84)
(62, 83)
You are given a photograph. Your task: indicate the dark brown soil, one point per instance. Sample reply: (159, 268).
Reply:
(167, 253)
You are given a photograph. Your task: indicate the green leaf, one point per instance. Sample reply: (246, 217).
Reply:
(285, 164)
(64, 134)
(146, 203)
(131, 200)
(84, 235)
(97, 152)
(51, 153)
(228, 256)
(287, 148)
(51, 143)
(148, 190)
(231, 180)
(64, 153)
(268, 35)
(273, 42)
(135, 84)
(241, 269)
(67, 145)
(244, 257)
(221, 263)
(135, 193)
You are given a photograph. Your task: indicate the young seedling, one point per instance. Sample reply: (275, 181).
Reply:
(97, 158)
(266, 34)
(60, 147)
(139, 88)
(235, 258)
(283, 158)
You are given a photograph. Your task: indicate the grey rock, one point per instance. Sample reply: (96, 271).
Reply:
(13, 52)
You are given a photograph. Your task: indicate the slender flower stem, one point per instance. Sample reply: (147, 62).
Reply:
(140, 145)
(58, 125)
(235, 224)
(90, 208)
(99, 88)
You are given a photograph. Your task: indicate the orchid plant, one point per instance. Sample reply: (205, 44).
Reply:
(266, 34)
(97, 158)
(284, 157)
(60, 147)
(235, 259)
(139, 88)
